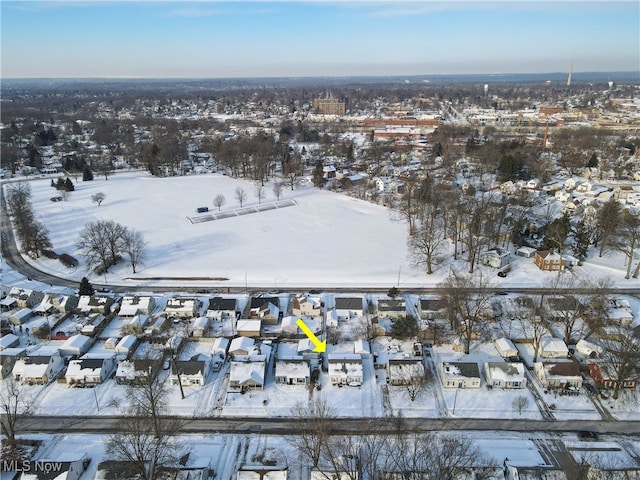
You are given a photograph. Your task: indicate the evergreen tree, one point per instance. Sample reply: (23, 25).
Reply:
(87, 175)
(61, 184)
(53, 184)
(85, 287)
(582, 239)
(318, 175)
(69, 185)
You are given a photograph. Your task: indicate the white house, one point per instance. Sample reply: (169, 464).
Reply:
(558, 374)
(551, 347)
(248, 328)
(94, 304)
(505, 374)
(192, 372)
(248, 372)
(182, 307)
(220, 308)
(460, 374)
(349, 307)
(293, 371)
(132, 305)
(89, 370)
(40, 366)
(405, 371)
(345, 369)
(68, 466)
(331, 318)
(392, 308)
(496, 258)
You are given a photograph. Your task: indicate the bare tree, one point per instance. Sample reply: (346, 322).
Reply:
(144, 447)
(240, 195)
(427, 242)
(15, 404)
(415, 385)
(277, 190)
(313, 422)
(433, 456)
(260, 193)
(467, 302)
(219, 201)
(134, 247)
(622, 355)
(567, 310)
(520, 403)
(101, 243)
(607, 221)
(98, 198)
(628, 239)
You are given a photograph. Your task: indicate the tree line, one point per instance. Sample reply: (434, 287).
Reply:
(32, 233)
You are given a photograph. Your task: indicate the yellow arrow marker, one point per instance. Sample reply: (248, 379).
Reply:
(321, 346)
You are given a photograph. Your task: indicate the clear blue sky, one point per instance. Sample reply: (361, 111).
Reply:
(302, 38)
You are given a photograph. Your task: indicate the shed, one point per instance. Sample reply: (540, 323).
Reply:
(506, 348)
(111, 342)
(126, 345)
(588, 349)
(361, 347)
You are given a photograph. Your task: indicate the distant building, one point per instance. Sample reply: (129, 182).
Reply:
(328, 106)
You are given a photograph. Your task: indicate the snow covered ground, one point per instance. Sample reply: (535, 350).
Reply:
(326, 239)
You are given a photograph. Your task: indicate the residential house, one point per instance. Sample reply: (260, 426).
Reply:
(331, 318)
(8, 358)
(67, 466)
(505, 374)
(75, 346)
(90, 370)
(392, 308)
(460, 374)
(194, 371)
(220, 308)
(9, 341)
(562, 307)
(405, 371)
(496, 258)
(262, 472)
(551, 347)
(39, 366)
(620, 312)
(265, 308)
(558, 374)
(132, 372)
(605, 376)
(56, 303)
(94, 304)
(21, 316)
(132, 305)
(304, 305)
(25, 297)
(182, 307)
(248, 372)
(155, 327)
(548, 260)
(91, 325)
(349, 307)
(293, 371)
(248, 328)
(432, 308)
(345, 369)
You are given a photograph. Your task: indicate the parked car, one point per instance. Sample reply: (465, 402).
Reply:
(587, 435)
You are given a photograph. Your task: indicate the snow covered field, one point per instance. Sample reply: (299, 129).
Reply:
(326, 239)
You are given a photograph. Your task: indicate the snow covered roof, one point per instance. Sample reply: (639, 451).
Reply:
(460, 369)
(241, 345)
(76, 343)
(292, 368)
(220, 345)
(553, 345)
(506, 371)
